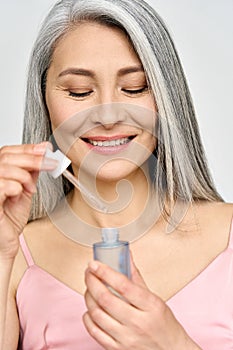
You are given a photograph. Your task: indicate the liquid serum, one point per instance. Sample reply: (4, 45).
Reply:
(113, 252)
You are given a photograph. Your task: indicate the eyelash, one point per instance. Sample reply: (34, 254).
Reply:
(135, 92)
(86, 94)
(79, 95)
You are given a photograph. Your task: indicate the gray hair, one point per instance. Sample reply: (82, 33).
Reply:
(181, 170)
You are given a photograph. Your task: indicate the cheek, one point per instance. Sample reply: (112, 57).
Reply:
(58, 110)
(151, 143)
(149, 103)
(152, 104)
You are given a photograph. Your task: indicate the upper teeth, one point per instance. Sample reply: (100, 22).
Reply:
(111, 143)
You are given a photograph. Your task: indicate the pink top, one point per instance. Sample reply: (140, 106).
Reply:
(205, 305)
(50, 312)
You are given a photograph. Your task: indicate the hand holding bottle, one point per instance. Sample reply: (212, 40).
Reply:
(139, 320)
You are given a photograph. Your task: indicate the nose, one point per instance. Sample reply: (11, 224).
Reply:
(109, 112)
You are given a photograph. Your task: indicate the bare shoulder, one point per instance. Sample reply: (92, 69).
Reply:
(36, 231)
(33, 234)
(216, 221)
(37, 227)
(215, 212)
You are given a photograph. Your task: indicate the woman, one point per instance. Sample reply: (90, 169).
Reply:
(89, 57)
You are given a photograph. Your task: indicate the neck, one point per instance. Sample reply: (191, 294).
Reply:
(124, 200)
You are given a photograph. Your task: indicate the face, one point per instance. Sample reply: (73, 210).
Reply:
(92, 66)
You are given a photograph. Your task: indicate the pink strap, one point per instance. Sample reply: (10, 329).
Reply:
(25, 250)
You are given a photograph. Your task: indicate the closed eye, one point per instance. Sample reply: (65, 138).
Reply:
(80, 94)
(135, 91)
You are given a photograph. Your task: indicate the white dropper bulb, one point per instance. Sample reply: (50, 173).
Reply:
(63, 162)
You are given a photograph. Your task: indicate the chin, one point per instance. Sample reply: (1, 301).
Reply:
(116, 172)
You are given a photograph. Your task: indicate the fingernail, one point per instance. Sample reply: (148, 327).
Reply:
(93, 266)
(41, 147)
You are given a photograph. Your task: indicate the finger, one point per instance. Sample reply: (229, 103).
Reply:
(105, 340)
(138, 296)
(9, 188)
(102, 319)
(99, 295)
(89, 300)
(30, 162)
(20, 175)
(39, 148)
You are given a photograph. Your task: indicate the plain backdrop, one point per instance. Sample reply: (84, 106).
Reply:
(202, 31)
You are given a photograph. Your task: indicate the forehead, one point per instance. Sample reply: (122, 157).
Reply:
(91, 40)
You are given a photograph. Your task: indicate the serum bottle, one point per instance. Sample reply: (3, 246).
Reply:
(113, 252)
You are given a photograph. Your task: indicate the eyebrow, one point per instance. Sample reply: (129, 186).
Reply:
(90, 73)
(77, 71)
(131, 69)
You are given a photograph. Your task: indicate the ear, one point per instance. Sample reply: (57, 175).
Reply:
(136, 276)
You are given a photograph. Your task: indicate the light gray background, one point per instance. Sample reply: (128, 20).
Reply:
(203, 32)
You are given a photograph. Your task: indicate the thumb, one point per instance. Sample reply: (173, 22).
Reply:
(136, 276)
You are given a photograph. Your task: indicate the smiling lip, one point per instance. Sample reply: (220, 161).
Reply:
(108, 144)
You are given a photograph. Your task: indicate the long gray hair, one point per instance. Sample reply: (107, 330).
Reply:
(179, 152)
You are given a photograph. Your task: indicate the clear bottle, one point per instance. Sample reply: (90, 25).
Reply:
(113, 252)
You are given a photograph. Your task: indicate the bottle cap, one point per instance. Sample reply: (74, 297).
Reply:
(64, 162)
(110, 234)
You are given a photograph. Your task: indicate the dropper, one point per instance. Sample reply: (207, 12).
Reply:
(63, 163)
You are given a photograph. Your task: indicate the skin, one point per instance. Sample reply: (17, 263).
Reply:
(110, 80)
(141, 319)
